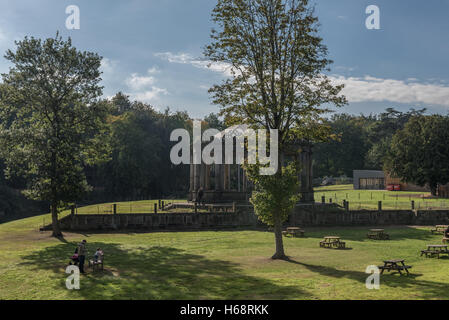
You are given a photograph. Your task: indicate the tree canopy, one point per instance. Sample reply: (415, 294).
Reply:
(52, 119)
(420, 153)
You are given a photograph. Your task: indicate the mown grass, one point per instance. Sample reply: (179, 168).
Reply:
(368, 199)
(218, 265)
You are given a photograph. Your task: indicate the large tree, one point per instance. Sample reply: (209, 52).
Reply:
(277, 60)
(419, 153)
(52, 119)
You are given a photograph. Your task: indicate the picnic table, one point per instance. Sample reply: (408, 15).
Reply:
(395, 265)
(294, 232)
(97, 264)
(435, 250)
(332, 242)
(378, 234)
(439, 229)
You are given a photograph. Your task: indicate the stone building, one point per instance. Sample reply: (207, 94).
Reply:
(228, 182)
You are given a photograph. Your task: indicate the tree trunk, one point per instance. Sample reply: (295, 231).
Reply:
(433, 188)
(55, 222)
(279, 254)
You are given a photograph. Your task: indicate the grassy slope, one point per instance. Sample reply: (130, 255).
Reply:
(368, 199)
(217, 265)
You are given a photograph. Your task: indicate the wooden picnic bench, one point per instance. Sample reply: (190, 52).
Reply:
(439, 229)
(445, 240)
(378, 234)
(435, 250)
(332, 242)
(294, 232)
(96, 264)
(395, 265)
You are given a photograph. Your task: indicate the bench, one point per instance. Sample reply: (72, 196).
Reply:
(293, 232)
(395, 265)
(336, 244)
(394, 268)
(445, 240)
(97, 264)
(439, 229)
(431, 253)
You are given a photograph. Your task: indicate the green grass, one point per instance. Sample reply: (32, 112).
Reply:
(218, 265)
(144, 206)
(368, 199)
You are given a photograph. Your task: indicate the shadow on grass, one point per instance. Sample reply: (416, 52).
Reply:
(360, 233)
(427, 289)
(158, 273)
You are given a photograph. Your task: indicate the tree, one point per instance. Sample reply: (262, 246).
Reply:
(419, 153)
(381, 131)
(340, 156)
(273, 194)
(52, 119)
(277, 60)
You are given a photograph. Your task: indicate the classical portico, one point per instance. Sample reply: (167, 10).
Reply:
(228, 182)
(220, 182)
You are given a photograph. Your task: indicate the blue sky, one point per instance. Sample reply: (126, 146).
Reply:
(152, 49)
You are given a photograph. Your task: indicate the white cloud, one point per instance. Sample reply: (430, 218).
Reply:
(153, 70)
(136, 82)
(357, 89)
(362, 89)
(108, 66)
(142, 87)
(185, 58)
(150, 95)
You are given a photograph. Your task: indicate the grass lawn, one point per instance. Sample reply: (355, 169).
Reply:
(218, 265)
(368, 199)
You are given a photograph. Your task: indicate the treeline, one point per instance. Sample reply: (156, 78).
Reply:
(360, 142)
(139, 166)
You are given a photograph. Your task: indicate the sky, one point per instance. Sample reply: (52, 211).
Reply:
(152, 49)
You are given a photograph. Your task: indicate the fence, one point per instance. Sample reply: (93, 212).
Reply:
(152, 206)
(371, 200)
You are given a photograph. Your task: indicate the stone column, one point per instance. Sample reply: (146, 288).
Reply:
(239, 169)
(225, 177)
(305, 158)
(197, 171)
(229, 177)
(207, 177)
(191, 180)
(218, 177)
(202, 175)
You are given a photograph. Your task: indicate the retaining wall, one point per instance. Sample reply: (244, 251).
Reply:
(302, 216)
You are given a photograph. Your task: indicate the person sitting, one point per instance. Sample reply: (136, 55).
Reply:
(446, 232)
(199, 195)
(98, 255)
(74, 260)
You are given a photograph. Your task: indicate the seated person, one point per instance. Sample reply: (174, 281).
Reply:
(98, 255)
(74, 259)
(446, 232)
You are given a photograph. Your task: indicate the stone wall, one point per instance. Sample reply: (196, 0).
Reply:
(304, 216)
